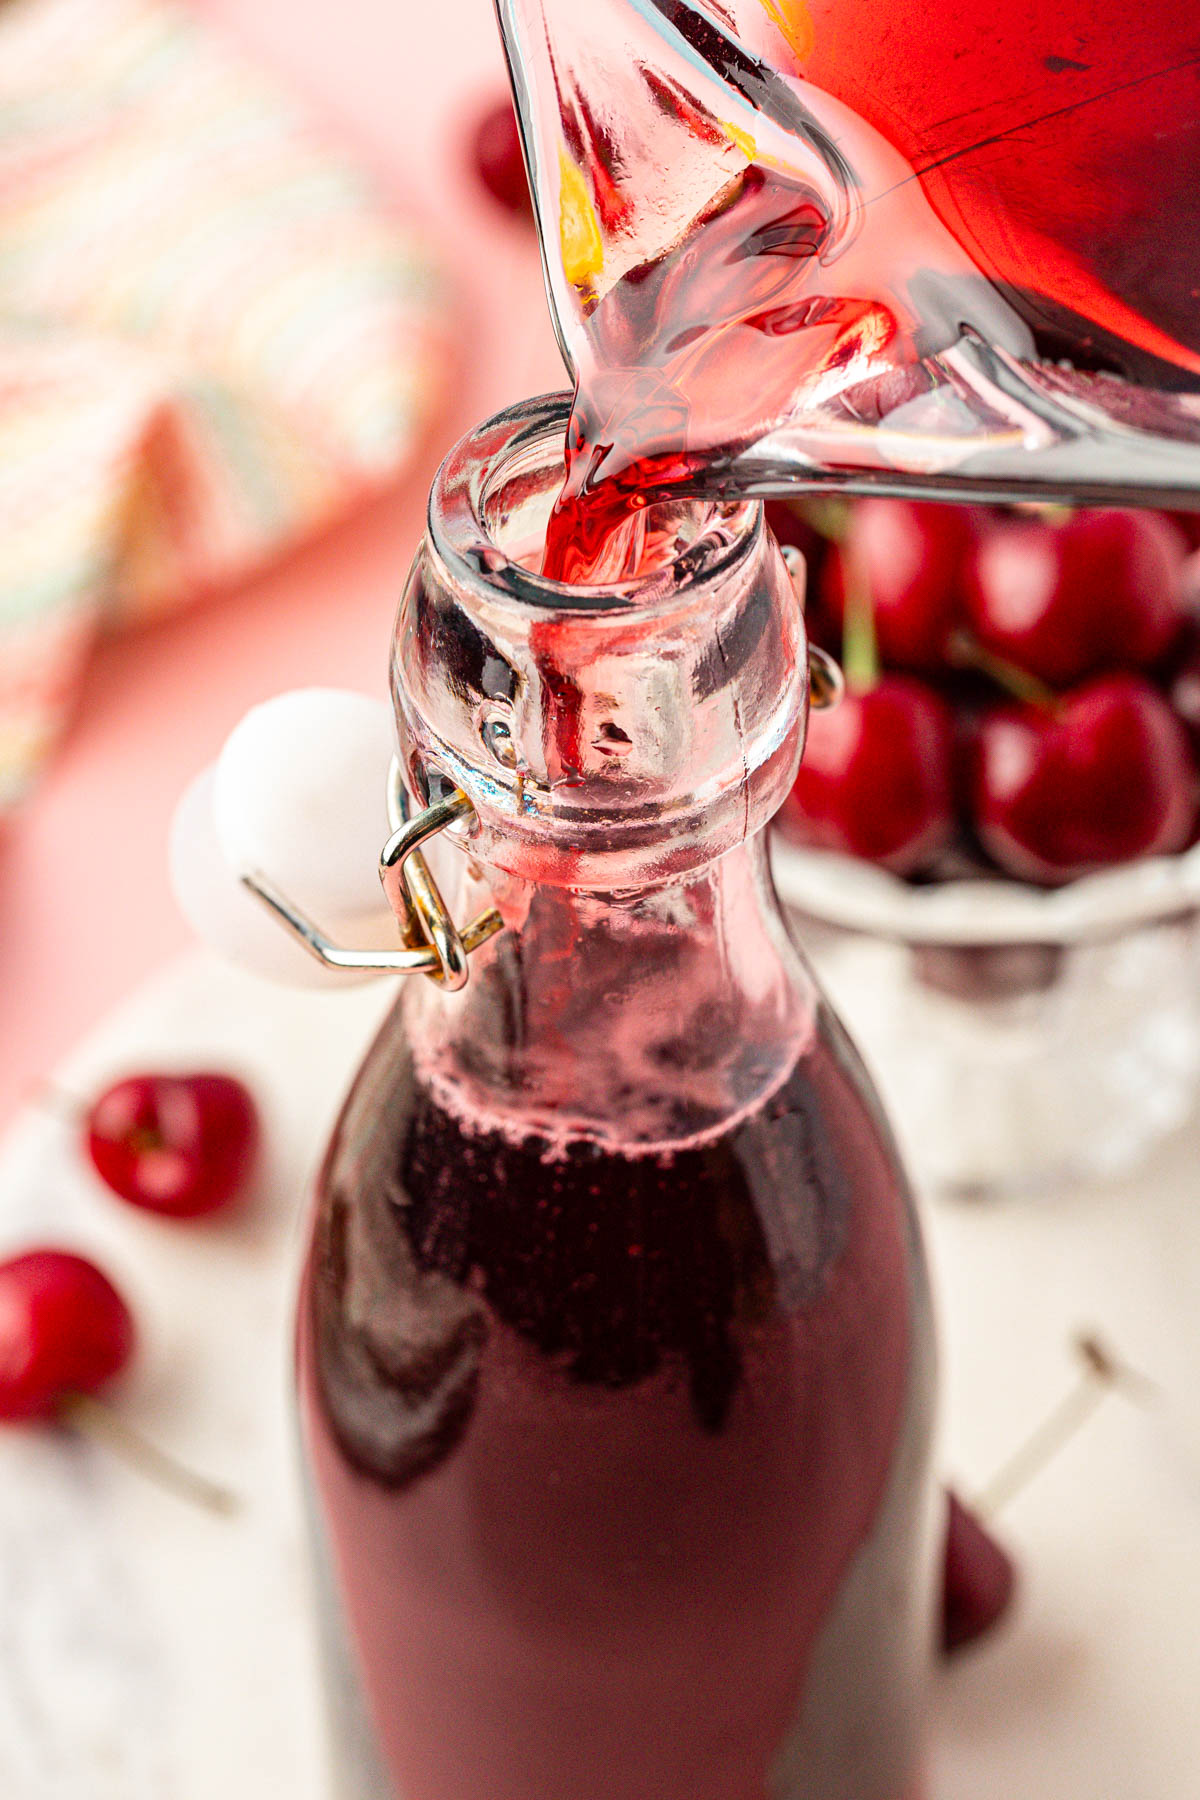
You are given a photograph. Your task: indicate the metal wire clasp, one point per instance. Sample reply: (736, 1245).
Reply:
(433, 944)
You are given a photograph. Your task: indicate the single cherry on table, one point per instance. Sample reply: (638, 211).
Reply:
(64, 1331)
(178, 1145)
(978, 1582)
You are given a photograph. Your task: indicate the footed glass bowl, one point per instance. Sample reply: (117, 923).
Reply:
(1022, 1037)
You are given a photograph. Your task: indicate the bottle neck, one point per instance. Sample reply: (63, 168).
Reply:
(611, 737)
(641, 1019)
(623, 749)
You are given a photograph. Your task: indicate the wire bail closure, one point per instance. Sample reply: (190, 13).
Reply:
(433, 944)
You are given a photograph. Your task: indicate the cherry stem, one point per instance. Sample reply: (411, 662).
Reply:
(968, 653)
(829, 517)
(1102, 1373)
(1050, 512)
(860, 648)
(98, 1422)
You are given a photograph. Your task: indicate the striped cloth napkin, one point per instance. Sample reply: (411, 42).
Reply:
(212, 335)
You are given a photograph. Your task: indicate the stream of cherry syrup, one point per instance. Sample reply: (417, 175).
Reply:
(658, 379)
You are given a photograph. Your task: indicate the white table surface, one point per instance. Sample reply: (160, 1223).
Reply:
(151, 1652)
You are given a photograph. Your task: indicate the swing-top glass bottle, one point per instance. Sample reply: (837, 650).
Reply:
(615, 1344)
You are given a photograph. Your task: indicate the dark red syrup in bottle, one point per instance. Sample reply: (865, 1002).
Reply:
(624, 1445)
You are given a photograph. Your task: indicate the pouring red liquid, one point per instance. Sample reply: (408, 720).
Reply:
(872, 247)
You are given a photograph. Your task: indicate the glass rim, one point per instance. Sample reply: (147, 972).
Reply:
(459, 531)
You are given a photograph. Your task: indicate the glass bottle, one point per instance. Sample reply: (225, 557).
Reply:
(888, 245)
(615, 1348)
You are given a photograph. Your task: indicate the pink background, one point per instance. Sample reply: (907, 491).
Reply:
(85, 911)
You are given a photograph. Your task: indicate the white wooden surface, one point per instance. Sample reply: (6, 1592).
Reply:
(148, 1652)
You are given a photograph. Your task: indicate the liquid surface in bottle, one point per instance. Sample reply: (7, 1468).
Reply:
(622, 1454)
(801, 235)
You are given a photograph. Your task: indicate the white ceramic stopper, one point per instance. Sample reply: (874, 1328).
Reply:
(298, 795)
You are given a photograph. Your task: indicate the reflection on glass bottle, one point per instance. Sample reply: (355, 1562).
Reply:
(615, 1346)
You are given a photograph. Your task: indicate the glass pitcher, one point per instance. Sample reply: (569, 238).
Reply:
(900, 247)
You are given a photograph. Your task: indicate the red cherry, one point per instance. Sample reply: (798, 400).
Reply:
(1105, 777)
(911, 558)
(179, 1145)
(498, 159)
(1103, 590)
(978, 1582)
(64, 1329)
(876, 780)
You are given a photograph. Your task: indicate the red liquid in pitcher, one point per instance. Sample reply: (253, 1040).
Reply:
(1028, 174)
(623, 1450)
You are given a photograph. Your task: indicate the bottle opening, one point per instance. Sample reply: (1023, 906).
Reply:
(492, 502)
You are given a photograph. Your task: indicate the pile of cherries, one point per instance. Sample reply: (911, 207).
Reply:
(1023, 687)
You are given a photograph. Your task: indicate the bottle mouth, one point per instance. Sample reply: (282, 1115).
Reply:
(491, 503)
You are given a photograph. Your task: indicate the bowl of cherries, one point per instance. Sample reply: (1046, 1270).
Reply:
(991, 852)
